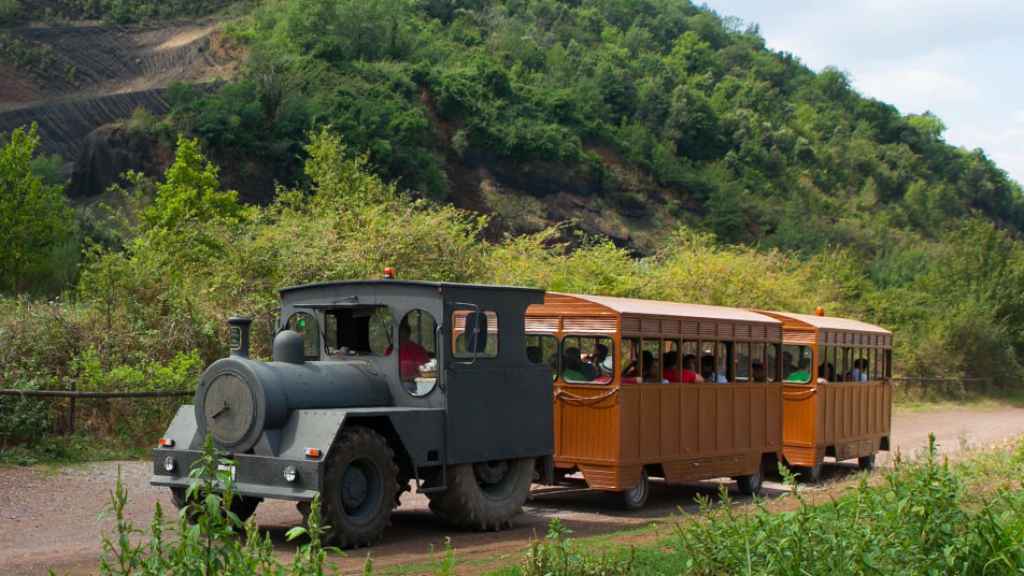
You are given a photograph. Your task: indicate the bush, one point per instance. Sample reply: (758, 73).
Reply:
(23, 418)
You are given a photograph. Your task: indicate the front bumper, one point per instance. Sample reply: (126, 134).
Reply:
(257, 476)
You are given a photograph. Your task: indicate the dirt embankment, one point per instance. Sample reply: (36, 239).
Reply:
(48, 519)
(101, 75)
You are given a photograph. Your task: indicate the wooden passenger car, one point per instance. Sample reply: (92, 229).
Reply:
(627, 417)
(844, 407)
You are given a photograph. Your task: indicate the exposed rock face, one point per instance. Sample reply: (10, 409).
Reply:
(109, 151)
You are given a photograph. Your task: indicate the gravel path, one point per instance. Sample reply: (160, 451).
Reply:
(53, 518)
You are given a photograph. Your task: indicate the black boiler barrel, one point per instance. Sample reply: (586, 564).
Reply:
(238, 398)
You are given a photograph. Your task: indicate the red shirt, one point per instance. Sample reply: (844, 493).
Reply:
(410, 357)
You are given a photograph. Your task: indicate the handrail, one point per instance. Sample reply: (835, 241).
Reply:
(571, 398)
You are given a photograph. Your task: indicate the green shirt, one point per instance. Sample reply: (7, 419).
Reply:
(571, 375)
(801, 376)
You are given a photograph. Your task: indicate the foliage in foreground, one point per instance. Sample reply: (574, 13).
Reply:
(924, 517)
(207, 537)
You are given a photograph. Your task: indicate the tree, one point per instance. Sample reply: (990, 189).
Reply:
(36, 218)
(190, 192)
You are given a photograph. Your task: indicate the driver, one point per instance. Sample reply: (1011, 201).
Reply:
(410, 354)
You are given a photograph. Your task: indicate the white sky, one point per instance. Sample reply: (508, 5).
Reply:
(960, 59)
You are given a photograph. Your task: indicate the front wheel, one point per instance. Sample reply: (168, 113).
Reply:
(360, 484)
(866, 462)
(636, 497)
(750, 484)
(485, 495)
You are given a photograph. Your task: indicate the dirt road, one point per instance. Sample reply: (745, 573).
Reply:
(51, 518)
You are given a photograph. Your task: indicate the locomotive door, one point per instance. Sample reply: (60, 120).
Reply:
(499, 404)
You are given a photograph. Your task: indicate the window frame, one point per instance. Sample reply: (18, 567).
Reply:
(436, 335)
(492, 335)
(597, 338)
(316, 334)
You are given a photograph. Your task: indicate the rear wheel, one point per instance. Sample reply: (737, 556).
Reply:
(750, 484)
(636, 497)
(866, 462)
(485, 495)
(360, 484)
(809, 474)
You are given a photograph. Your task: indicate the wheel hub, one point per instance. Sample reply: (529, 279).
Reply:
(490, 473)
(354, 487)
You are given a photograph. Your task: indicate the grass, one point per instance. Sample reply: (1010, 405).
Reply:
(74, 449)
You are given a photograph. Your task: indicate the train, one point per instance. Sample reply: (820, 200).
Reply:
(474, 393)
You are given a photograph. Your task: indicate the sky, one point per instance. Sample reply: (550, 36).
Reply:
(962, 60)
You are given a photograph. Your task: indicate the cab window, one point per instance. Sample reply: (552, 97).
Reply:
(461, 339)
(417, 352)
(360, 331)
(305, 324)
(542, 349)
(796, 364)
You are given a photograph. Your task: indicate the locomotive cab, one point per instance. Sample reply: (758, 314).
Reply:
(375, 386)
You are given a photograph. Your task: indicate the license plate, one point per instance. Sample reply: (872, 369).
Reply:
(228, 469)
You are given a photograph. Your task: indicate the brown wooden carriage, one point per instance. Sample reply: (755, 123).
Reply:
(619, 424)
(844, 409)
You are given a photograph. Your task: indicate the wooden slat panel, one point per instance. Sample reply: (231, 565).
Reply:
(743, 332)
(650, 326)
(671, 326)
(708, 329)
(708, 417)
(741, 420)
(724, 423)
(725, 330)
(691, 329)
(589, 325)
(543, 325)
(798, 337)
(671, 423)
(690, 398)
(649, 424)
(630, 324)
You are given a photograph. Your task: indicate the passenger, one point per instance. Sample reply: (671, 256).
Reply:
(597, 367)
(758, 371)
(572, 369)
(669, 371)
(410, 354)
(690, 369)
(859, 373)
(707, 370)
(803, 374)
(648, 364)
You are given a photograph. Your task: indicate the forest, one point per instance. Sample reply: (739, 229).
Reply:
(739, 176)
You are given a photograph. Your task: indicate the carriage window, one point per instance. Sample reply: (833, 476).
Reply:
(543, 349)
(887, 371)
(772, 362)
(861, 365)
(461, 339)
(305, 324)
(742, 362)
(362, 331)
(691, 364)
(757, 362)
(796, 364)
(417, 352)
(671, 370)
(650, 360)
(589, 359)
(826, 367)
(630, 360)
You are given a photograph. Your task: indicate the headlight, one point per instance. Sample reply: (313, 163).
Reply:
(290, 474)
(169, 464)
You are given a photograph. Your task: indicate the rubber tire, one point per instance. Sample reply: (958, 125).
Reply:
(242, 506)
(810, 475)
(751, 484)
(866, 462)
(636, 497)
(467, 506)
(358, 443)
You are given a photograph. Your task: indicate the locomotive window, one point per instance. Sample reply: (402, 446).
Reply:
(417, 352)
(589, 359)
(543, 349)
(460, 338)
(796, 364)
(362, 331)
(305, 324)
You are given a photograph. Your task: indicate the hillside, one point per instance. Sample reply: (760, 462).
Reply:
(454, 140)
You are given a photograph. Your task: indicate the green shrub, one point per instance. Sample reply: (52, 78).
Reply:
(10, 10)
(23, 418)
